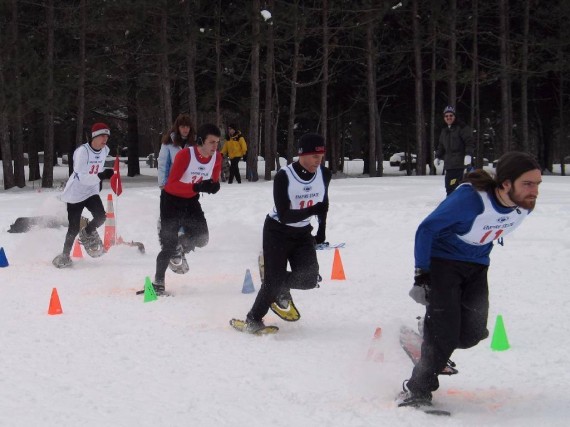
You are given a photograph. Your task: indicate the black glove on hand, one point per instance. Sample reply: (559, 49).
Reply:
(320, 208)
(207, 186)
(421, 288)
(320, 237)
(106, 174)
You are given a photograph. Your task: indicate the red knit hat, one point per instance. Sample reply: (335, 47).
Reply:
(100, 129)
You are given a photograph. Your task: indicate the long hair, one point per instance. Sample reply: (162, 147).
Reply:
(237, 133)
(481, 180)
(510, 166)
(182, 120)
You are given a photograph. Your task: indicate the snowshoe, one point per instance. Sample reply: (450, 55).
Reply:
(409, 398)
(178, 263)
(92, 243)
(159, 289)
(62, 261)
(285, 308)
(255, 327)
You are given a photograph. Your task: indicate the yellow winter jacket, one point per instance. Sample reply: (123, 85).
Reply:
(235, 147)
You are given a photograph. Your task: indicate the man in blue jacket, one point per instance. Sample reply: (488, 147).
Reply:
(452, 249)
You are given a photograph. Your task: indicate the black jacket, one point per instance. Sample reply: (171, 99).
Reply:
(455, 142)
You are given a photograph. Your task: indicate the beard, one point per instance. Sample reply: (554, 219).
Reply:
(524, 202)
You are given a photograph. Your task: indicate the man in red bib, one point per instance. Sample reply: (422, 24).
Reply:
(195, 170)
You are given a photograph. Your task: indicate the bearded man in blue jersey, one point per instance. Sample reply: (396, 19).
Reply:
(452, 248)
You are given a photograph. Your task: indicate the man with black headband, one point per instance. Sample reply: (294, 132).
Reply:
(300, 191)
(452, 249)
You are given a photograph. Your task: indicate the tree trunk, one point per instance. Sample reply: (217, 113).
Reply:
(7, 170)
(505, 102)
(267, 133)
(133, 165)
(333, 162)
(561, 132)
(299, 31)
(18, 146)
(253, 149)
(218, 45)
(452, 68)
(47, 176)
(80, 89)
(419, 91)
(475, 114)
(433, 33)
(372, 102)
(524, 78)
(164, 67)
(191, 65)
(34, 164)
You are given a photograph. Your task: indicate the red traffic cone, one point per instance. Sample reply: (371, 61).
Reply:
(54, 304)
(109, 238)
(337, 268)
(77, 252)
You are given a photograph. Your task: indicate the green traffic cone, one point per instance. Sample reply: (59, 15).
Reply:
(499, 341)
(149, 293)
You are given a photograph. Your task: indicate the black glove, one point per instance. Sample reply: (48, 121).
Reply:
(422, 286)
(207, 186)
(106, 174)
(320, 237)
(319, 208)
(244, 158)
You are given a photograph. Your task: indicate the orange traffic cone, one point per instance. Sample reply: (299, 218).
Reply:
(77, 252)
(337, 269)
(109, 238)
(54, 304)
(375, 352)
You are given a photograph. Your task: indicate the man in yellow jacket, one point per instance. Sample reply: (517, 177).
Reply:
(236, 149)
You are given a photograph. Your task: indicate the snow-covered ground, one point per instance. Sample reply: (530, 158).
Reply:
(111, 359)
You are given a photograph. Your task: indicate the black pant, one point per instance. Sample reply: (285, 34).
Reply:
(282, 244)
(234, 170)
(453, 178)
(176, 212)
(93, 205)
(456, 317)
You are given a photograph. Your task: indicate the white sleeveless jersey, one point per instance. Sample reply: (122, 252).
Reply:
(84, 182)
(197, 171)
(490, 224)
(302, 194)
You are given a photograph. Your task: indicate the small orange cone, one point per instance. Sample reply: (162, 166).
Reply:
(109, 238)
(374, 352)
(54, 304)
(337, 269)
(77, 252)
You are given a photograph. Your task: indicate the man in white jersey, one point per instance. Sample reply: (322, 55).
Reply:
(82, 191)
(300, 191)
(452, 250)
(196, 169)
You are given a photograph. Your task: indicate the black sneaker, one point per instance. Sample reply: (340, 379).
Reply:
(285, 308)
(410, 398)
(92, 243)
(284, 299)
(178, 263)
(62, 261)
(252, 325)
(159, 287)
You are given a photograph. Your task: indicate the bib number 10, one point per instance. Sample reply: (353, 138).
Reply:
(304, 205)
(495, 237)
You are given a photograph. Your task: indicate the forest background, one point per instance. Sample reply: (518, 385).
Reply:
(372, 76)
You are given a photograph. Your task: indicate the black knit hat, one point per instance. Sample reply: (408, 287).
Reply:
(513, 164)
(311, 143)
